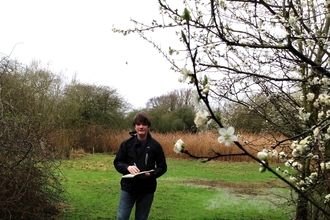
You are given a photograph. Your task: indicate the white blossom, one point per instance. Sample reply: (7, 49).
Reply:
(273, 153)
(227, 136)
(262, 156)
(206, 89)
(327, 198)
(296, 165)
(310, 96)
(185, 74)
(179, 146)
(262, 169)
(201, 120)
(282, 155)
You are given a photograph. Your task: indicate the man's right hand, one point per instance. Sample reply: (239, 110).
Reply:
(133, 169)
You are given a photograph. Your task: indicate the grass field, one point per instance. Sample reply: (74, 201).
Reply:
(189, 190)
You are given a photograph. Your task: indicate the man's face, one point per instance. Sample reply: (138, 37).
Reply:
(141, 129)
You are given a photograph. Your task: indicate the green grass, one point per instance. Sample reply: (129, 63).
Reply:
(189, 190)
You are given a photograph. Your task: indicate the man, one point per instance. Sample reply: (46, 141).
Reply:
(139, 153)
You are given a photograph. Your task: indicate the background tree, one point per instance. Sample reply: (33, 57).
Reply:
(241, 116)
(180, 119)
(31, 92)
(30, 187)
(238, 50)
(84, 105)
(172, 112)
(172, 100)
(164, 121)
(41, 119)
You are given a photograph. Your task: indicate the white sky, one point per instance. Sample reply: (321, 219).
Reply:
(75, 37)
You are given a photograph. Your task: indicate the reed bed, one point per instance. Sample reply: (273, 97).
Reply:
(198, 144)
(204, 144)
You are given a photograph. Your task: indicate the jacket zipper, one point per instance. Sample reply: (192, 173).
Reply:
(146, 159)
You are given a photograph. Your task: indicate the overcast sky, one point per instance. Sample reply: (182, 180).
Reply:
(75, 37)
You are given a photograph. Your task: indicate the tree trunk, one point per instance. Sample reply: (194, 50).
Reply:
(301, 208)
(2, 121)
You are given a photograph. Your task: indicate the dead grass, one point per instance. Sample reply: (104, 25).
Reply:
(77, 153)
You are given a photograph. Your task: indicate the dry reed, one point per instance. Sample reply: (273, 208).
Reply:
(199, 144)
(203, 144)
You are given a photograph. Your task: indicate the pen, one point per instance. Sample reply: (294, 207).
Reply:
(135, 164)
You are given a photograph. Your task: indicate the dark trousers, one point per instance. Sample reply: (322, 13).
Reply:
(142, 203)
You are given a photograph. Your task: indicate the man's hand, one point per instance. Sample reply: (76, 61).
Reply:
(133, 169)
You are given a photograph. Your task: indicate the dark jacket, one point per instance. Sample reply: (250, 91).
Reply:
(149, 157)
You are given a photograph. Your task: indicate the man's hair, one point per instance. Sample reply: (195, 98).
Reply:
(142, 118)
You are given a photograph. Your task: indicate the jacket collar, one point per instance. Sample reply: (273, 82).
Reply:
(134, 134)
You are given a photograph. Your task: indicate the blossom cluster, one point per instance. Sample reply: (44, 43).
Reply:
(185, 74)
(179, 146)
(264, 155)
(201, 120)
(202, 117)
(306, 160)
(300, 148)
